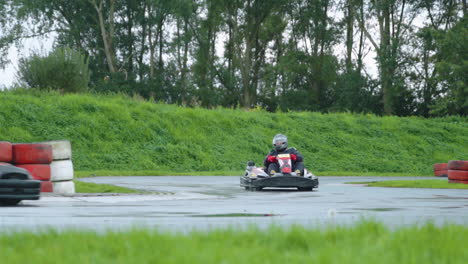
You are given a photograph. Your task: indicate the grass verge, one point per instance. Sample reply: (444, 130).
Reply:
(365, 242)
(88, 187)
(434, 184)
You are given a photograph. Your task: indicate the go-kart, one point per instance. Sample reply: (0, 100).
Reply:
(256, 178)
(16, 184)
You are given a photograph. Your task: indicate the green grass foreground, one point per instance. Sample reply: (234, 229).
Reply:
(366, 242)
(88, 187)
(120, 133)
(434, 184)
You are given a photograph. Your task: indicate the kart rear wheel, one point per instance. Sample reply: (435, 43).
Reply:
(305, 189)
(253, 189)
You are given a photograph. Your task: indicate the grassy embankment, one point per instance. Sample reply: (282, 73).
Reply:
(434, 184)
(118, 135)
(366, 242)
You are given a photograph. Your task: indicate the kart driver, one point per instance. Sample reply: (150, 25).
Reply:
(280, 144)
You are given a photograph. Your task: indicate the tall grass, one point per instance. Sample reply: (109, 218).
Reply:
(366, 242)
(122, 133)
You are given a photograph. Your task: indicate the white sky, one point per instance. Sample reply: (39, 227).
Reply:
(41, 45)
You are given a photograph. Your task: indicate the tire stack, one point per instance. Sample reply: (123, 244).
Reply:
(458, 171)
(61, 166)
(440, 169)
(50, 162)
(36, 159)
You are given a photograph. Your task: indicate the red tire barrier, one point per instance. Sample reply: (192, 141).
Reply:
(458, 165)
(440, 166)
(456, 181)
(441, 173)
(61, 149)
(458, 175)
(38, 171)
(32, 154)
(6, 151)
(47, 186)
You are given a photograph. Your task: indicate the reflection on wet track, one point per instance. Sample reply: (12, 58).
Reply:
(205, 202)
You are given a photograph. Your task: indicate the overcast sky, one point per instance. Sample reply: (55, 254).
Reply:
(42, 45)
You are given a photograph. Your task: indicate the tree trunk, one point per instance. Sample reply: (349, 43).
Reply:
(107, 35)
(385, 58)
(152, 47)
(161, 46)
(245, 70)
(464, 7)
(144, 27)
(349, 34)
(130, 46)
(246, 62)
(361, 39)
(151, 44)
(229, 52)
(184, 70)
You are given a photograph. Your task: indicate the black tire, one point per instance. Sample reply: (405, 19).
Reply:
(305, 189)
(20, 183)
(9, 202)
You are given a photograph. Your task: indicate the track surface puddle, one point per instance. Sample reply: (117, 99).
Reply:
(378, 209)
(235, 215)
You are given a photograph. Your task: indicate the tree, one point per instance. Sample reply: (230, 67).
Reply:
(251, 37)
(355, 90)
(441, 16)
(307, 66)
(204, 67)
(106, 13)
(394, 22)
(280, 54)
(452, 69)
(5, 38)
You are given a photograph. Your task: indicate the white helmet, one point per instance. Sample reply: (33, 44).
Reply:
(280, 142)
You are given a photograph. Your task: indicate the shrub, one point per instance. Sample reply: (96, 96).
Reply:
(63, 69)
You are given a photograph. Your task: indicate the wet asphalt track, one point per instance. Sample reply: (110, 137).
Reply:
(206, 202)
